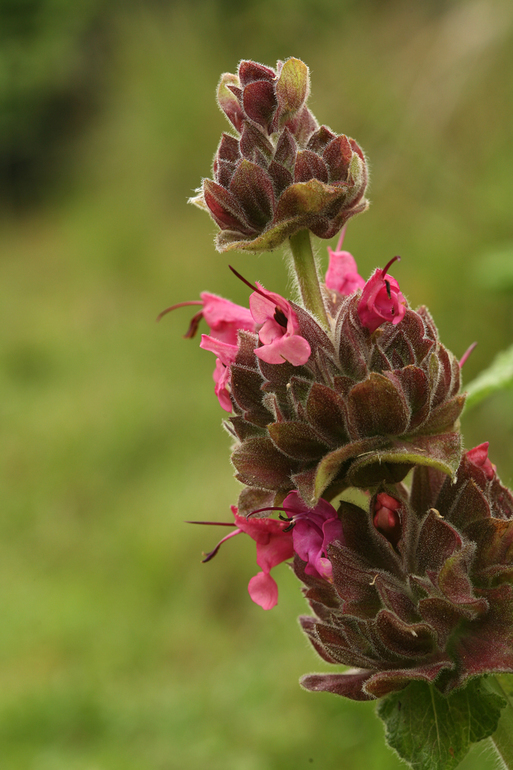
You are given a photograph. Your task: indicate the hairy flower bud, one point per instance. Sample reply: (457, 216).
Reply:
(437, 607)
(282, 173)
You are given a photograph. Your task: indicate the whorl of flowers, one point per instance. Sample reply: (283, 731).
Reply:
(434, 605)
(362, 410)
(281, 173)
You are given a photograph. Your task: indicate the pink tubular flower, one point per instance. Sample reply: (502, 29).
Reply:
(386, 517)
(226, 355)
(225, 318)
(273, 545)
(279, 329)
(342, 275)
(479, 456)
(381, 300)
(313, 530)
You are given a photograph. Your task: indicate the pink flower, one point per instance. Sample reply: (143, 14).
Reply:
(381, 300)
(226, 355)
(273, 545)
(224, 318)
(479, 456)
(279, 329)
(342, 275)
(313, 530)
(386, 517)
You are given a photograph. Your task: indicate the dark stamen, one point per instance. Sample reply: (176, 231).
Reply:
(387, 284)
(258, 291)
(241, 278)
(271, 508)
(193, 326)
(466, 354)
(213, 523)
(387, 267)
(180, 304)
(280, 317)
(211, 555)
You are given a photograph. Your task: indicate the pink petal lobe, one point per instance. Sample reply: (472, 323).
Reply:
(261, 308)
(225, 318)
(263, 590)
(294, 349)
(342, 275)
(226, 353)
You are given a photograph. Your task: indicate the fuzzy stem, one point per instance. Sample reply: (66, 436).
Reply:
(502, 739)
(307, 277)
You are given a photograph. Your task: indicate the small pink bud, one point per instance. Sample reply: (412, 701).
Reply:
(479, 456)
(386, 517)
(342, 275)
(381, 300)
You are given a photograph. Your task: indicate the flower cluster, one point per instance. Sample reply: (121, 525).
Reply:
(429, 598)
(354, 391)
(282, 172)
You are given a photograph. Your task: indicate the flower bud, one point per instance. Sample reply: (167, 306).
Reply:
(282, 173)
(386, 517)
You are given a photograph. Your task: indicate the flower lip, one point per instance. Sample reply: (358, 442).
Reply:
(278, 327)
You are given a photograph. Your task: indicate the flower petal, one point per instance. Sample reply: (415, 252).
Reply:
(263, 590)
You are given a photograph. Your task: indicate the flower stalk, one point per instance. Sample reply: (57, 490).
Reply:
(411, 586)
(307, 276)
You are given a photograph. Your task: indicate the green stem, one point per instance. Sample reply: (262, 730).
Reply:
(502, 739)
(306, 272)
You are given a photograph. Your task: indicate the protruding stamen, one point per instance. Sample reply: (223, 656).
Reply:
(466, 354)
(175, 307)
(211, 554)
(271, 508)
(387, 267)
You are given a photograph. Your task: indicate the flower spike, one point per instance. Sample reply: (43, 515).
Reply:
(282, 173)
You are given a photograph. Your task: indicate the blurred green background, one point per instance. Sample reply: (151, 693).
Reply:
(118, 649)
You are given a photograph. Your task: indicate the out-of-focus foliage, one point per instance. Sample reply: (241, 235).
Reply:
(50, 69)
(118, 649)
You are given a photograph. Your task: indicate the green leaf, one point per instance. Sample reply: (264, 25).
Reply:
(432, 731)
(497, 377)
